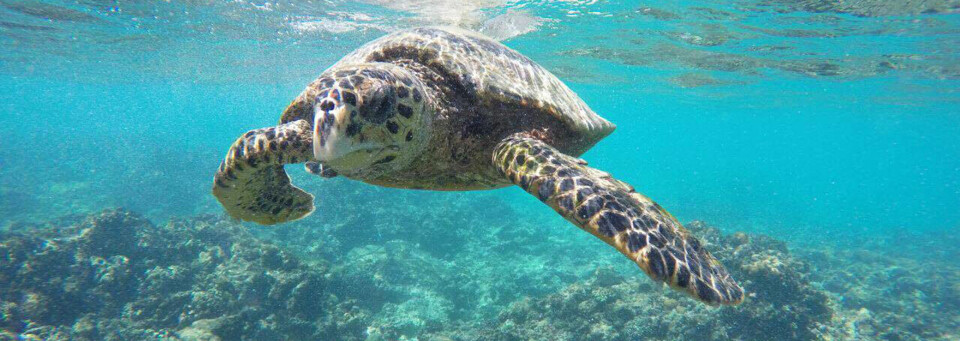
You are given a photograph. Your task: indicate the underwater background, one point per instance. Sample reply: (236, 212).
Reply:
(813, 145)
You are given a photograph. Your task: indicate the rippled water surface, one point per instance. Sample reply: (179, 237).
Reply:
(832, 126)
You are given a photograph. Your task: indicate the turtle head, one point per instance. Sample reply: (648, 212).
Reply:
(370, 119)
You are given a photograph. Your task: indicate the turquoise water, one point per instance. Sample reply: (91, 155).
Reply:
(831, 126)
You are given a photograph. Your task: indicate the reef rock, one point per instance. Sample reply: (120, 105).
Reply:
(781, 303)
(116, 276)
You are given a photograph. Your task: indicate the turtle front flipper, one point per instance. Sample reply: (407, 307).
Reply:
(611, 210)
(251, 183)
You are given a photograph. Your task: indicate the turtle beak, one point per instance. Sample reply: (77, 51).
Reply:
(331, 144)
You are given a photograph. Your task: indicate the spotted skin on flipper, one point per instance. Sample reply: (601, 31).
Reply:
(251, 183)
(613, 211)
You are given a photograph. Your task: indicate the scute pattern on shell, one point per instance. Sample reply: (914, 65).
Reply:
(486, 70)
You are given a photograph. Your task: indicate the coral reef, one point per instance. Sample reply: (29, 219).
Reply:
(884, 295)
(609, 306)
(115, 276)
(452, 264)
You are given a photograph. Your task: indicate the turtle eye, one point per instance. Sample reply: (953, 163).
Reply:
(378, 104)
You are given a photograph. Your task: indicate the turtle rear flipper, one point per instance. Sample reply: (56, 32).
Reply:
(611, 210)
(251, 183)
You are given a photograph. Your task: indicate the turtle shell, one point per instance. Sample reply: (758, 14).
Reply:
(489, 72)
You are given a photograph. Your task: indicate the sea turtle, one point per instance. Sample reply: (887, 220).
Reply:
(448, 109)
